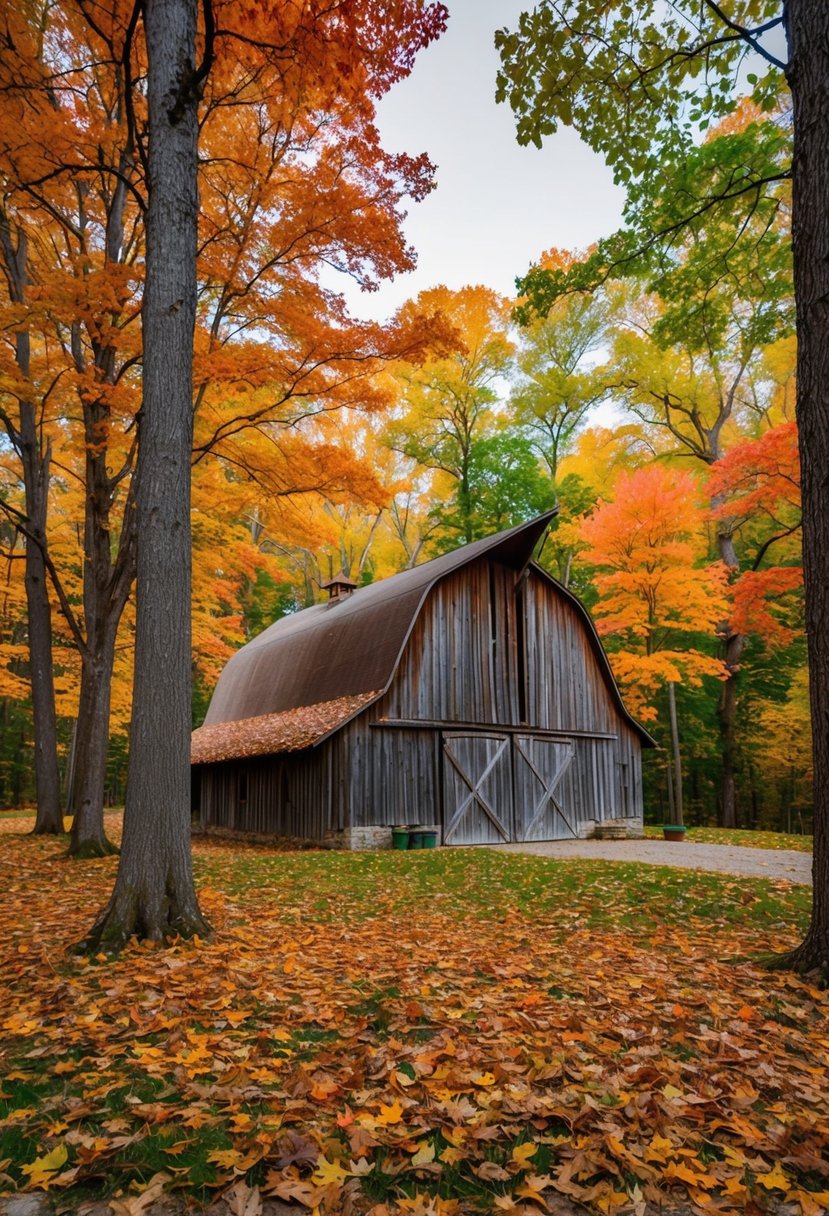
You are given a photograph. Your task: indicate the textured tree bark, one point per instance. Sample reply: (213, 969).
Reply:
(108, 571)
(154, 895)
(88, 838)
(734, 644)
(26, 438)
(807, 24)
(49, 818)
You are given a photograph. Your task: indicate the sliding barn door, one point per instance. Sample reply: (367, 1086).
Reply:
(545, 807)
(477, 789)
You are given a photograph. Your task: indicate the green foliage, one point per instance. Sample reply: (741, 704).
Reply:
(642, 83)
(506, 485)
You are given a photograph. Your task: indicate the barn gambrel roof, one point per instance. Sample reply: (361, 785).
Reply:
(309, 673)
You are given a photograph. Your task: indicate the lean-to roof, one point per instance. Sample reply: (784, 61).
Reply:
(270, 734)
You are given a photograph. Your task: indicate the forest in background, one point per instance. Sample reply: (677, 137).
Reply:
(658, 413)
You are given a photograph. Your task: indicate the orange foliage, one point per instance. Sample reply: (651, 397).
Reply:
(293, 177)
(757, 486)
(648, 545)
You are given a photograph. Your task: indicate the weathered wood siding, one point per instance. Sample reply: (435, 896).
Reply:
(273, 795)
(460, 661)
(389, 776)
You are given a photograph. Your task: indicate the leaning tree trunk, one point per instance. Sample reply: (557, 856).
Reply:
(154, 895)
(808, 73)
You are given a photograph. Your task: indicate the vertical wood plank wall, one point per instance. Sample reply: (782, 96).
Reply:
(460, 665)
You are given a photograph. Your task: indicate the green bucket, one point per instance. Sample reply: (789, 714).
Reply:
(400, 838)
(429, 841)
(416, 840)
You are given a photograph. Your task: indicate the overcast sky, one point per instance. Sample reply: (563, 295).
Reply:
(496, 206)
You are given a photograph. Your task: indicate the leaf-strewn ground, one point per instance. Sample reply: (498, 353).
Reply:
(447, 1031)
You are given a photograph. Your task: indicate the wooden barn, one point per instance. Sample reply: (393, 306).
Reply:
(471, 693)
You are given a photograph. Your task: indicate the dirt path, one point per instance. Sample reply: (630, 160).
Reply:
(726, 859)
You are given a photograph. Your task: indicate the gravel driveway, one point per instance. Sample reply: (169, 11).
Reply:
(727, 859)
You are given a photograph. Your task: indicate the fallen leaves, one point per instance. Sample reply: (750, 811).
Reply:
(418, 1053)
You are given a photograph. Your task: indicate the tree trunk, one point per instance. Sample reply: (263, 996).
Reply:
(154, 895)
(727, 713)
(107, 575)
(808, 32)
(669, 781)
(734, 644)
(27, 440)
(88, 837)
(676, 753)
(49, 820)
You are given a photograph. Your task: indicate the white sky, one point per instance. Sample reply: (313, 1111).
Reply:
(496, 206)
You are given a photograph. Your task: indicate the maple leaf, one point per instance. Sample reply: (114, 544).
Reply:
(775, 1179)
(43, 1170)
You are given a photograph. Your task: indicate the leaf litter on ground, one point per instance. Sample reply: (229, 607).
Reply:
(446, 1032)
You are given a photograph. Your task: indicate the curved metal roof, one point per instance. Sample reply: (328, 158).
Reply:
(344, 654)
(348, 646)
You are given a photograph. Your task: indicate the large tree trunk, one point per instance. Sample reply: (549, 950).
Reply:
(808, 73)
(154, 895)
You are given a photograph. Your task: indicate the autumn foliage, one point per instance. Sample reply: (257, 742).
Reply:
(655, 586)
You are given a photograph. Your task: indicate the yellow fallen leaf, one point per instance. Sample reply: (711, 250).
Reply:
(522, 1152)
(659, 1149)
(424, 1155)
(328, 1173)
(42, 1170)
(774, 1180)
(390, 1114)
(670, 1091)
(451, 1156)
(678, 1169)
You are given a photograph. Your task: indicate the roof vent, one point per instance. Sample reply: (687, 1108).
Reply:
(340, 587)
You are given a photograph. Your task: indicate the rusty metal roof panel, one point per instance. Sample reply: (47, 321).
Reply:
(350, 647)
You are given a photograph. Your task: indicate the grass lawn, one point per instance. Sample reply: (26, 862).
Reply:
(741, 836)
(433, 1032)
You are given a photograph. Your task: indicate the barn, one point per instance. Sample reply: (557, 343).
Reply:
(470, 693)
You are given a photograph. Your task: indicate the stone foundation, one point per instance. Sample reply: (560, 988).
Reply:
(359, 840)
(611, 829)
(362, 840)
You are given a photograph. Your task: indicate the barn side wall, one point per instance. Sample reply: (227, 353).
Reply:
(288, 795)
